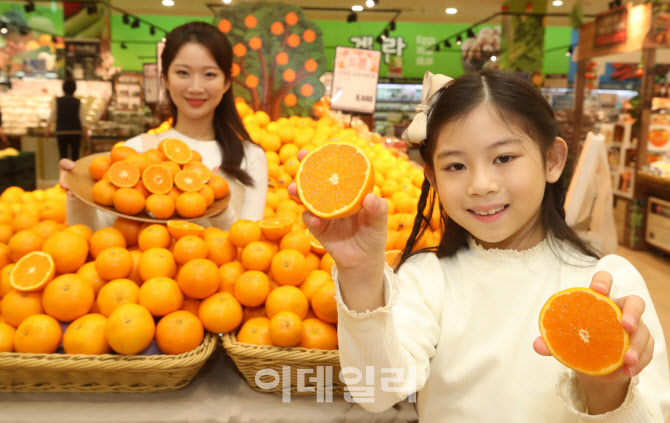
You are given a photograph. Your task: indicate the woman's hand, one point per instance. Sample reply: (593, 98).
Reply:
(65, 166)
(606, 393)
(357, 243)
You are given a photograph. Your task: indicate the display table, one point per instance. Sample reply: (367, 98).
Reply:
(218, 393)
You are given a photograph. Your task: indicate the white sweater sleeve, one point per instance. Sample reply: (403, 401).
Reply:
(648, 398)
(391, 347)
(253, 206)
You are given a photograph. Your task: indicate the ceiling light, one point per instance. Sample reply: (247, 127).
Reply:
(227, 1)
(352, 17)
(557, 3)
(437, 47)
(451, 11)
(168, 3)
(370, 3)
(29, 7)
(126, 19)
(471, 33)
(357, 8)
(459, 40)
(392, 25)
(3, 29)
(136, 23)
(494, 58)
(152, 31)
(447, 44)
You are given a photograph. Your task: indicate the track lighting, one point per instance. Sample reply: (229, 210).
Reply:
(392, 25)
(29, 7)
(447, 44)
(471, 33)
(459, 40)
(126, 19)
(152, 31)
(136, 23)
(353, 17)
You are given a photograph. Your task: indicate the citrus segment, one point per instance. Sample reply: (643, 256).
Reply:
(274, 228)
(176, 150)
(157, 180)
(124, 174)
(32, 272)
(199, 169)
(188, 181)
(333, 179)
(180, 228)
(582, 329)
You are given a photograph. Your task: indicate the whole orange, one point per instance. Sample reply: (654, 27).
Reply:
(86, 335)
(130, 329)
(220, 313)
(199, 278)
(68, 297)
(179, 332)
(38, 334)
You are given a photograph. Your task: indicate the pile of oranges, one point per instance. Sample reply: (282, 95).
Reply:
(136, 286)
(160, 181)
(270, 280)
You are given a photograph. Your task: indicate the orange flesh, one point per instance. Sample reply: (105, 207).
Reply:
(584, 333)
(333, 181)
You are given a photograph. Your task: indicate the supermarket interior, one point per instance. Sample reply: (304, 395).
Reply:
(168, 247)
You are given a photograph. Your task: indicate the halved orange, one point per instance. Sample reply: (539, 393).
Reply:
(176, 150)
(180, 228)
(157, 180)
(123, 174)
(274, 228)
(314, 244)
(32, 272)
(333, 179)
(582, 329)
(188, 181)
(199, 169)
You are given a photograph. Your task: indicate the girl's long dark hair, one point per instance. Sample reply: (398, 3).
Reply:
(228, 128)
(522, 108)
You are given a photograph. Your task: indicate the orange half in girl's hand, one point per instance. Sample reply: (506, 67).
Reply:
(582, 329)
(333, 180)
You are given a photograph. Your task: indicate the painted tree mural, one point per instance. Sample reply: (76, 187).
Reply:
(278, 57)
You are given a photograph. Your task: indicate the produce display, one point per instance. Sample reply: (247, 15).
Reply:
(64, 288)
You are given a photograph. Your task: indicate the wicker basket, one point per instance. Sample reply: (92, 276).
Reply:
(320, 365)
(102, 373)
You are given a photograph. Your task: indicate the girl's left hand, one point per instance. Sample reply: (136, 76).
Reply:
(641, 344)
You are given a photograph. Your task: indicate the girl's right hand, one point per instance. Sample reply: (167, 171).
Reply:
(65, 166)
(357, 244)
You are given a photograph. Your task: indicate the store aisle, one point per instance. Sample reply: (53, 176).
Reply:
(655, 268)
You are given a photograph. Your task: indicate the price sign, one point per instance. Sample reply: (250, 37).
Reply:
(355, 77)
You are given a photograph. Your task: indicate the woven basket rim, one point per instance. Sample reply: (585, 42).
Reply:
(111, 361)
(293, 354)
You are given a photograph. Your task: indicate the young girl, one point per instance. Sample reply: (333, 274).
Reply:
(196, 72)
(458, 323)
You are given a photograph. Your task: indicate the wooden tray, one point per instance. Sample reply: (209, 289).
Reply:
(81, 183)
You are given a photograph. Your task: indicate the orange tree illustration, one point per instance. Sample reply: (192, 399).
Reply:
(278, 56)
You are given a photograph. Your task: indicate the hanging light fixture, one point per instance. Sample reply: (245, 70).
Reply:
(459, 40)
(447, 44)
(353, 17)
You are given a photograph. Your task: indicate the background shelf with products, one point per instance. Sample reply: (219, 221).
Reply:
(396, 106)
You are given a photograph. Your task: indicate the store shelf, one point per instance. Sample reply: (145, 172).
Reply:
(653, 180)
(623, 194)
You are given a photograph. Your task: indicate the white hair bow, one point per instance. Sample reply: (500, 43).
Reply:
(432, 83)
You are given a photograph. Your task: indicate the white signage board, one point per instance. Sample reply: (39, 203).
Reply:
(355, 75)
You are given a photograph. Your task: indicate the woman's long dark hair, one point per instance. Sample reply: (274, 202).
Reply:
(522, 108)
(228, 128)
